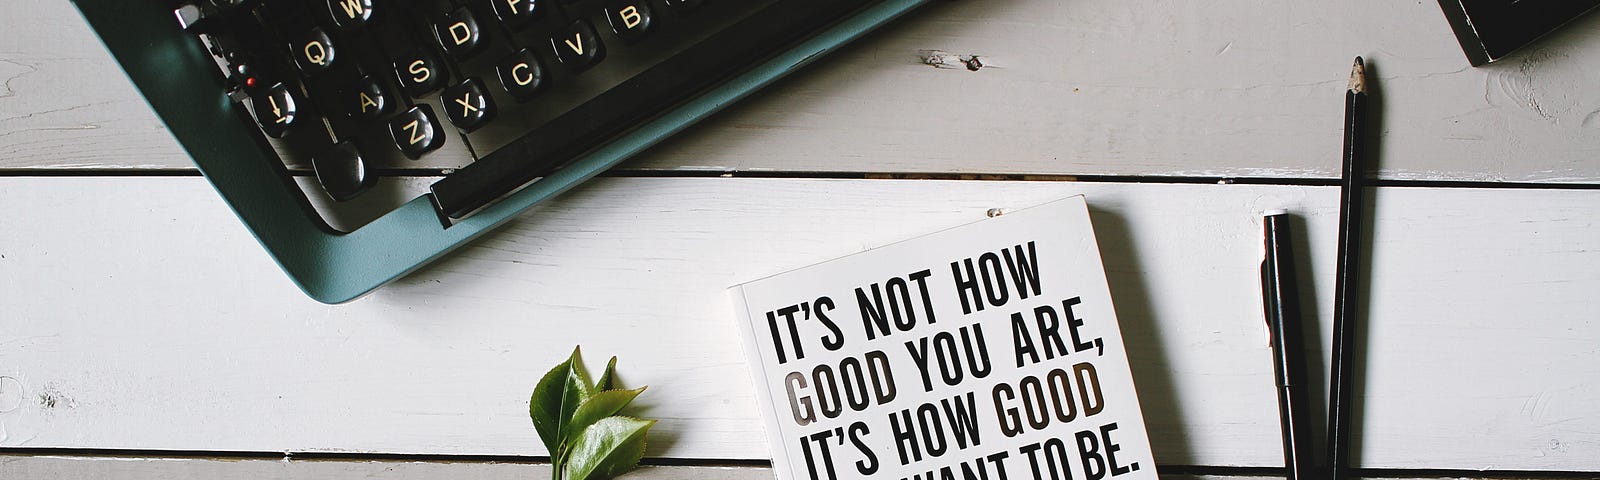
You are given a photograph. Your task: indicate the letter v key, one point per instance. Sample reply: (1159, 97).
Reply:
(577, 46)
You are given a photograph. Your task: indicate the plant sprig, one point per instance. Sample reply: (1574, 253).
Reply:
(578, 422)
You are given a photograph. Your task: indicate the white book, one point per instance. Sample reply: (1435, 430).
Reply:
(986, 351)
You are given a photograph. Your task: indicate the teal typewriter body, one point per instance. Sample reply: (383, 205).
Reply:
(192, 92)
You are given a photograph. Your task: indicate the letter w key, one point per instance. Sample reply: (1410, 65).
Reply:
(350, 14)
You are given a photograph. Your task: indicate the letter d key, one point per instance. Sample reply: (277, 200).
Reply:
(458, 33)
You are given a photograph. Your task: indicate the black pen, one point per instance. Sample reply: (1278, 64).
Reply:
(1347, 275)
(1281, 301)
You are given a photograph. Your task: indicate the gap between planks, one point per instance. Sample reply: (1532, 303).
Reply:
(130, 465)
(838, 175)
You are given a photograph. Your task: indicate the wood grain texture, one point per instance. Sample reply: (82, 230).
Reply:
(147, 318)
(1144, 87)
(64, 103)
(1481, 301)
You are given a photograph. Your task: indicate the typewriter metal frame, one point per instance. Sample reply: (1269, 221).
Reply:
(179, 80)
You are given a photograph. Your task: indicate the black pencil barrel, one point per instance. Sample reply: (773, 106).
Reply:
(1346, 301)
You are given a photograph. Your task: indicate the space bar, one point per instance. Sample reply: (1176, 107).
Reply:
(681, 76)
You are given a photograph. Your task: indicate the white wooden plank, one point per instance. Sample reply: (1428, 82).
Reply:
(144, 317)
(1144, 87)
(150, 320)
(64, 103)
(1483, 329)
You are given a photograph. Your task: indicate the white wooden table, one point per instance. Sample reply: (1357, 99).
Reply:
(145, 334)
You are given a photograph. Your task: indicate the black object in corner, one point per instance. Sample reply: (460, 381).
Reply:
(1491, 29)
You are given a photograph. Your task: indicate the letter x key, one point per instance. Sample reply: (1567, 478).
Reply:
(466, 105)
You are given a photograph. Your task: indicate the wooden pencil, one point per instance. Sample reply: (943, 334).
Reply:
(1346, 301)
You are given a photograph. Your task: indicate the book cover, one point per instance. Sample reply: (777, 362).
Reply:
(986, 351)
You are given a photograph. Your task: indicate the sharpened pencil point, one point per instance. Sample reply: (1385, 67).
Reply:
(1358, 77)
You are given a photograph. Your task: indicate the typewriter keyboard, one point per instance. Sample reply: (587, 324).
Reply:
(495, 93)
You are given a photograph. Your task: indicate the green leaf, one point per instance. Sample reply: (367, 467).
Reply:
(601, 405)
(608, 379)
(608, 448)
(555, 398)
(578, 390)
(545, 406)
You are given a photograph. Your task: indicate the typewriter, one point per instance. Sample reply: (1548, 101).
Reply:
(295, 109)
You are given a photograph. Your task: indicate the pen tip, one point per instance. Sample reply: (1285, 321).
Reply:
(1358, 76)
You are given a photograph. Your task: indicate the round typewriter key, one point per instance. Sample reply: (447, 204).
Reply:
(467, 105)
(313, 52)
(419, 72)
(577, 46)
(458, 33)
(522, 75)
(350, 14)
(630, 19)
(342, 172)
(275, 109)
(416, 131)
(517, 14)
(368, 100)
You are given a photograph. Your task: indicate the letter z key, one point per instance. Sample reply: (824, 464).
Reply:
(416, 131)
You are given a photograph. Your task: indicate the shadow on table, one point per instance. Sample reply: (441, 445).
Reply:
(1152, 371)
(1313, 341)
